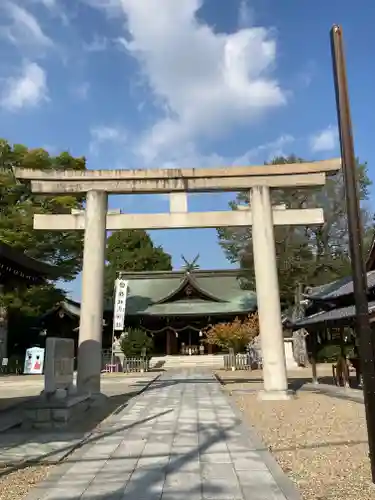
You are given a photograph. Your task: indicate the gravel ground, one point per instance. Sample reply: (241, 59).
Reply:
(319, 441)
(14, 485)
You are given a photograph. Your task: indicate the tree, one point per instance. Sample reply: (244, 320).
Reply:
(132, 250)
(305, 255)
(235, 335)
(135, 342)
(17, 208)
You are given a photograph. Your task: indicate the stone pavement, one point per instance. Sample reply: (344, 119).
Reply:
(179, 440)
(17, 446)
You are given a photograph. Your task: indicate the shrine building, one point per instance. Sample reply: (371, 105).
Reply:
(174, 307)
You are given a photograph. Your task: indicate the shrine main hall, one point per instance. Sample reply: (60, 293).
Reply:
(174, 307)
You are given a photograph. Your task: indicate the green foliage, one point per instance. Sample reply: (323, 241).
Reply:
(134, 342)
(17, 208)
(305, 255)
(132, 250)
(331, 352)
(34, 300)
(18, 205)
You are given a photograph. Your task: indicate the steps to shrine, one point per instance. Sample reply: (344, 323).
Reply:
(168, 362)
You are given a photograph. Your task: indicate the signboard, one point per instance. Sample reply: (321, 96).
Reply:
(120, 304)
(34, 361)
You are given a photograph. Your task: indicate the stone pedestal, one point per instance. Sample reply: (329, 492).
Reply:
(55, 413)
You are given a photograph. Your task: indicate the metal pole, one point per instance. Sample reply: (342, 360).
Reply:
(366, 349)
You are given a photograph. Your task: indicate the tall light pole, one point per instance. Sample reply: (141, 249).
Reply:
(364, 332)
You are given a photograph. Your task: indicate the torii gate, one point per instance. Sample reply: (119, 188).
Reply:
(95, 221)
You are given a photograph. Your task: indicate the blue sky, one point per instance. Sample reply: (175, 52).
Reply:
(140, 84)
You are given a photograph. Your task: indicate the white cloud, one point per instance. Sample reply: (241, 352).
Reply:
(28, 89)
(266, 151)
(105, 134)
(207, 82)
(23, 28)
(325, 140)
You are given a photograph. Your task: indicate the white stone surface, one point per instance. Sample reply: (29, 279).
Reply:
(91, 320)
(291, 363)
(268, 296)
(59, 365)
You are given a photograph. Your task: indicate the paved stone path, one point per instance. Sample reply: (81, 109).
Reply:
(179, 440)
(47, 446)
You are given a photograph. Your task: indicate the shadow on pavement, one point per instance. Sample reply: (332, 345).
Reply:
(179, 478)
(20, 448)
(95, 437)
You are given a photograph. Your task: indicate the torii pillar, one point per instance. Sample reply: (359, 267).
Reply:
(268, 298)
(91, 320)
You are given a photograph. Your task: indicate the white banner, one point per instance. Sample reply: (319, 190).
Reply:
(120, 304)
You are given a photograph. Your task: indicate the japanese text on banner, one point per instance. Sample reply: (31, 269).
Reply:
(120, 304)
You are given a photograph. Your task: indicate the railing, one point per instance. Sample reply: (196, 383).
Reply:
(237, 362)
(116, 363)
(136, 365)
(248, 361)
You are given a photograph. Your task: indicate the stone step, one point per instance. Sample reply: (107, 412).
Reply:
(208, 360)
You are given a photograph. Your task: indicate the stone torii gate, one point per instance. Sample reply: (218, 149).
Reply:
(95, 221)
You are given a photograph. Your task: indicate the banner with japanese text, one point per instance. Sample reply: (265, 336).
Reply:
(121, 292)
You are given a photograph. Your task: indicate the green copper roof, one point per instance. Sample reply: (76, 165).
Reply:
(162, 294)
(214, 292)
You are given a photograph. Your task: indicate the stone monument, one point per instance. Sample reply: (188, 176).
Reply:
(58, 404)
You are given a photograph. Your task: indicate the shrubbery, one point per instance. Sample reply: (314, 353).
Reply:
(235, 335)
(135, 342)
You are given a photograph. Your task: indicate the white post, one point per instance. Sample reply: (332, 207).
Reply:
(91, 320)
(268, 297)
